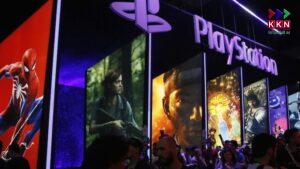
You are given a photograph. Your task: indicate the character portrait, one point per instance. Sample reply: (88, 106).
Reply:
(224, 107)
(115, 93)
(278, 111)
(177, 104)
(256, 109)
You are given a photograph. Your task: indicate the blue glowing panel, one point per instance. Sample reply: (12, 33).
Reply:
(69, 124)
(86, 36)
(278, 111)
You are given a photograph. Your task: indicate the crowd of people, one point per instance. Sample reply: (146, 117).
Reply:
(265, 152)
(118, 152)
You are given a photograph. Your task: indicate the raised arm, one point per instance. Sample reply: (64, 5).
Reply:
(10, 70)
(4, 71)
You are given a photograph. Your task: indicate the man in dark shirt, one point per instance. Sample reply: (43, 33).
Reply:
(169, 154)
(289, 156)
(137, 159)
(263, 151)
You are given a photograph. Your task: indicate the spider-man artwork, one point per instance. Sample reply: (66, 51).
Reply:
(24, 107)
(24, 56)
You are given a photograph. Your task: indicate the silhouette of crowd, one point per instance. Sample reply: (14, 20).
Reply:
(264, 152)
(118, 152)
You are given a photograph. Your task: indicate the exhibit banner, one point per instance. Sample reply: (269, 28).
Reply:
(256, 109)
(115, 93)
(224, 108)
(23, 67)
(278, 111)
(177, 108)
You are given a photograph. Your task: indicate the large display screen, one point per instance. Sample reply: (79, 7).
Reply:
(224, 107)
(177, 104)
(278, 111)
(256, 109)
(24, 55)
(294, 110)
(115, 93)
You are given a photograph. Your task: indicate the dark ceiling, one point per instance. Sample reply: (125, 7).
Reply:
(287, 45)
(15, 12)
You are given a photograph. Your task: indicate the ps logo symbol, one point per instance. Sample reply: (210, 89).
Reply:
(138, 11)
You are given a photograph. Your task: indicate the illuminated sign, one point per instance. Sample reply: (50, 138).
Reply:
(235, 47)
(137, 11)
(279, 24)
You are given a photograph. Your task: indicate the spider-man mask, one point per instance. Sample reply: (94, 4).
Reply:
(29, 60)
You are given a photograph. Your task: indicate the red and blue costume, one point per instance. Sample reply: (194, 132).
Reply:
(24, 107)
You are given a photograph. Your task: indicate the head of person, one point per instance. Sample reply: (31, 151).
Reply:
(292, 137)
(182, 104)
(198, 152)
(264, 146)
(209, 144)
(113, 83)
(228, 156)
(107, 152)
(253, 100)
(154, 149)
(168, 151)
(227, 144)
(29, 60)
(247, 150)
(218, 148)
(234, 144)
(135, 149)
(13, 150)
(190, 151)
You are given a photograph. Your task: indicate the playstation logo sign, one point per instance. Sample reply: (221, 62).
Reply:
(138, 11)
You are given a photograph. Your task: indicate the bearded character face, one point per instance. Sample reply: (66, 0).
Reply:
(184, 111)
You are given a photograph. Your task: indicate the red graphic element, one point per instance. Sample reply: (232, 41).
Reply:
(271, 13)
(33, 33)
(25, 87)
